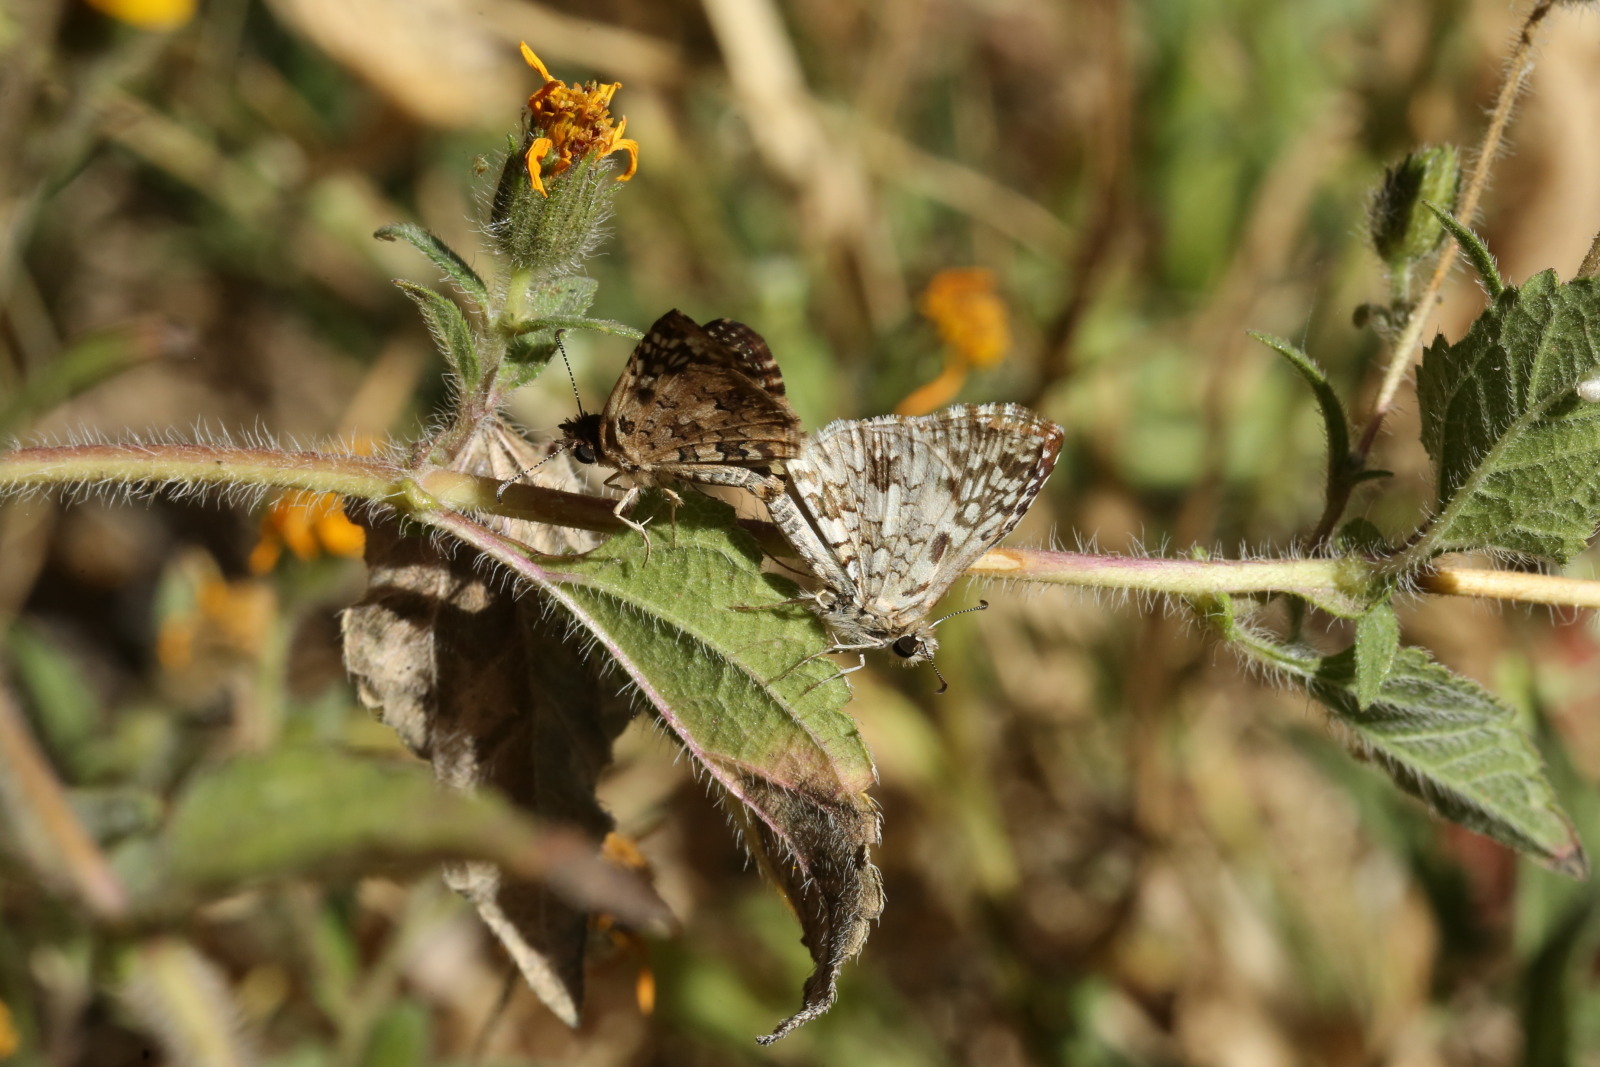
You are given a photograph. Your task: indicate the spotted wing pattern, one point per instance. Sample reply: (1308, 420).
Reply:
(895, 509)
(755, 357)
(694, 396)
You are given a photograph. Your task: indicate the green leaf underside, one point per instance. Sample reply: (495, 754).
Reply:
(450, 264)
(1377, 643)
(448, 327)
(1448, 741)
(769, 728)
(1516, 450)
(719, 668)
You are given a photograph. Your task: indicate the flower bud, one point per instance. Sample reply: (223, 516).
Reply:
(1403, 230)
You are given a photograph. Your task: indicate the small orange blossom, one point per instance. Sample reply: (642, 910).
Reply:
(971, 319)
(572, 121)
(305, 523)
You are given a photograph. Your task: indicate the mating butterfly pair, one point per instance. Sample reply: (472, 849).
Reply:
(888, 512)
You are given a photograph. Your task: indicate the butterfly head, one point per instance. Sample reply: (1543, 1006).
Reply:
(915, 646)
(581, 436)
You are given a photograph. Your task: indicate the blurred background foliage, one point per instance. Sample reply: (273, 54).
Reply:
(1105, 844)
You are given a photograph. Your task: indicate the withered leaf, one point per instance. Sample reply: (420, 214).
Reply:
(817, 851)
(492, 689)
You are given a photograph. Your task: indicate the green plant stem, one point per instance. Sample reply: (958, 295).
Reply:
(1402, 358)
(1317, 579)
(439, 497)
(192, 465)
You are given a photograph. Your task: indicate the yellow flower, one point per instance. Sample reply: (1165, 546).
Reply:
(572, 121)
(971, 319)
(306, 524)
(148, 14)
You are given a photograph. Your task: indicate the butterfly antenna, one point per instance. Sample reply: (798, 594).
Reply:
(982, 605)
(943, 685)
(500, 493)
(562, 348)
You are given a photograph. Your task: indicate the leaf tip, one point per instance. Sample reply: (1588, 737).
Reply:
(1572, 862)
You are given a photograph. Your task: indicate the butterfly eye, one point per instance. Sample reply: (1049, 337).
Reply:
(906, 647)
(583, 454)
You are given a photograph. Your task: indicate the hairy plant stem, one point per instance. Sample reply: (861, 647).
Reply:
(442, 498)
(1401, 360)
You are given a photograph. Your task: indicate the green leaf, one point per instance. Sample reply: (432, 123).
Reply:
(737, 694)
(86, 363)
(1376, 645)
(324, 812)
(1333, 415)
(739, 690)
(1475, 250)
(449, 328)
(548, 307)
(1442, 738)
(1516, 449)
(64, 707)
(401, 1037)
(1447, 740)
(1439, 736)
(1361, 536)
(450, 264)
(551, 323)
(1552, 983)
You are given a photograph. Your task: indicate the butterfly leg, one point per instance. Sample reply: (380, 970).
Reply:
(764, 486)
(620, 510)
(808, 598)
(840, 674)
(674, 502)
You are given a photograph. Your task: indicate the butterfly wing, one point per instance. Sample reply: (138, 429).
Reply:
(754, 357)
(907, 505)
(689, 396)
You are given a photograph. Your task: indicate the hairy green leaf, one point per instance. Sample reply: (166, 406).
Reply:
(739, 690)
(1333, 415)
(449, 328)
(1442, 738)
(450, 264)
(1516, 449)
(1439, 736)
(551, 323)
(740, 697)
(1472, 247)
(1377, 643)
(550, 307)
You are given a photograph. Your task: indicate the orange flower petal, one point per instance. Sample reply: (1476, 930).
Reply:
(148, 14)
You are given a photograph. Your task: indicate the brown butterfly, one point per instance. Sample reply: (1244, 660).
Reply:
(695, 403)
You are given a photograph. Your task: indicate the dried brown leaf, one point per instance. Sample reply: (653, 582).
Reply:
(816, 851)
(492, 689)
